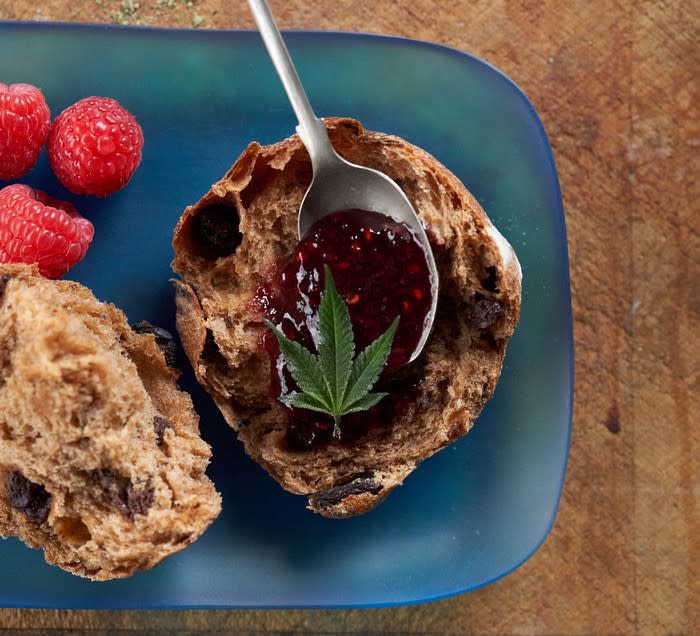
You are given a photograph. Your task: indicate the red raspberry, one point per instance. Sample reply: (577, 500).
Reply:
(35, 228)
(24, 124)
(94, 146)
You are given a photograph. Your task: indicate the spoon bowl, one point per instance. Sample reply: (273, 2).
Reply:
(338, 184)
(341, 185)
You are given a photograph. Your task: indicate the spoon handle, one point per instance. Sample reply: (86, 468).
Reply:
(311, 129)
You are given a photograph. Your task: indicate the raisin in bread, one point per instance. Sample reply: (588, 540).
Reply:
(225, 246)
(101, 463)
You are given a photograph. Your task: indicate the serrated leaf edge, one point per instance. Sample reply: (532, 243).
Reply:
(369, 364)
(303, 365)
(367, 401)
(305, 401)
(336, 341)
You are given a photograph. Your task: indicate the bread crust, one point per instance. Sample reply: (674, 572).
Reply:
(478, 308)
(101, 463)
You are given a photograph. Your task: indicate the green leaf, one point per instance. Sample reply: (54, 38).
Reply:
(331, 382)
(336, 346)
(368, 365)
(305, 401)
(364, 403)
(304, 367)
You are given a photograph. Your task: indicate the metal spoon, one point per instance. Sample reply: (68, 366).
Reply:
(338, 184)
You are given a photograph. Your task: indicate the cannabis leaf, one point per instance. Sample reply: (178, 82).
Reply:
(331, 381)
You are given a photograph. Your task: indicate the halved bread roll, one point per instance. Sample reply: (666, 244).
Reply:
(225, 246)
(101, 463)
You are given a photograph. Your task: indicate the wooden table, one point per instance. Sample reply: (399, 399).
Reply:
(616, 84)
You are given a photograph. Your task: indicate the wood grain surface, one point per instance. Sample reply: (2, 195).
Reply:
(616, 84)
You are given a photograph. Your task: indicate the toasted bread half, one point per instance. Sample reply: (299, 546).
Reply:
(101, 463)
(225, 245)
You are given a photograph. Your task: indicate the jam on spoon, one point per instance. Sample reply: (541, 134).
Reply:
(380, 271)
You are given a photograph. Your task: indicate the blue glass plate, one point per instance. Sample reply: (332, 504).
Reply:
(469, 515)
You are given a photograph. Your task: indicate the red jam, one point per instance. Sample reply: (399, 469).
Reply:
(380, 270)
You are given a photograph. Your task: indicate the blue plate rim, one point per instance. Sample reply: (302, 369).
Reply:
(561, 235)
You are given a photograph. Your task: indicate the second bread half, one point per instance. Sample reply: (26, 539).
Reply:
(101, 462)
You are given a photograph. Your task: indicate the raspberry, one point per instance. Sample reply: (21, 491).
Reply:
(35, 228)
(24, 125)
(95, 146)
